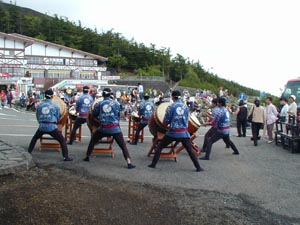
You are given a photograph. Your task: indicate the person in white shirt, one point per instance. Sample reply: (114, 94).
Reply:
(141, 91)
(118, 95)
(271, 117)
(292, 111)
(284, 110)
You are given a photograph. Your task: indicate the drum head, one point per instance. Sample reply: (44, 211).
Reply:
(161, 111)
(194, 120)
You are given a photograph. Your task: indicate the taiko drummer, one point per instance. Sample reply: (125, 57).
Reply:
(48, 114)
(108, 113)
(177, 116)
(145, 111)
(83, 104)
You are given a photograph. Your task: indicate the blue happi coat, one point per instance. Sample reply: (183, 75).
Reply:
(83, 104)
(47, 114)
(108, 112)
(177, 116)
(222, 120)
(146, 109)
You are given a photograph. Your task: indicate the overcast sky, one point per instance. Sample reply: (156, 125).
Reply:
(255, 43)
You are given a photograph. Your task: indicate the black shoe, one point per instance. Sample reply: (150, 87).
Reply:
(244, 135)
(151, 166)
(255, 144)
(199, 169)
(87, 159)
(227, 146)
(204, 158)
(202, 150)
(131, 166)
(132, 143)
(239, 135)
(68, 159)
(69, 143)
(235, 153)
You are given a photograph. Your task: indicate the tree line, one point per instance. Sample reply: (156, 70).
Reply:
(125, 56)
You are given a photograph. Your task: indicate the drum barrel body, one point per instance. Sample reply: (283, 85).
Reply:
(93, 122)
(63, 112)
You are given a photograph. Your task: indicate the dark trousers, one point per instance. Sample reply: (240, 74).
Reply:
(241, 127)
(77, 124)
(140, 127)
(214, 137)
(30, 106)
(56, 134)
(255, 131)
(118, 137)
(208, 135)
(186, 142)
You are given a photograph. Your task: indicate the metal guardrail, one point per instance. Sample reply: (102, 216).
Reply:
(143, 78)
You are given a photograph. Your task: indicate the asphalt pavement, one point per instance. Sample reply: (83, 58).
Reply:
(267, 174)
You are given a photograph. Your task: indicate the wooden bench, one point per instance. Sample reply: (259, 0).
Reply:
(68, 130)
(132, 126)
(48, 142)
(102, 149)
(170, 154)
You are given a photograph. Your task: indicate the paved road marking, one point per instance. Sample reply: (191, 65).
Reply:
(9, 125)
(3, 114)
(30, 135)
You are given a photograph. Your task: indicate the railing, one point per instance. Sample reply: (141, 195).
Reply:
(142, 78)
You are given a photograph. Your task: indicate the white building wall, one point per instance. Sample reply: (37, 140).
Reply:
(7, 43)
(35, 49)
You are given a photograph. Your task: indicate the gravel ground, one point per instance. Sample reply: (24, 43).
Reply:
(55, 196)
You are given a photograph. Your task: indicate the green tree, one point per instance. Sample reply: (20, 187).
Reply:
(4, 20)
(117, 61)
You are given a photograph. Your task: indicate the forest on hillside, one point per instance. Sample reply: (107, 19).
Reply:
(125, 56)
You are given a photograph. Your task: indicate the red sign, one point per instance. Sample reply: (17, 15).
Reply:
(4, 74)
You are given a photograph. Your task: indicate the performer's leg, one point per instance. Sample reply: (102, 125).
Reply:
(140, 127)
(77, 124)
(122, 144)
(57, 135)
(120, 141)
(206, 136)
(186, 142)
(34, 139)
(214, 138)
(94, 139)
(162, 144)
(231, 144)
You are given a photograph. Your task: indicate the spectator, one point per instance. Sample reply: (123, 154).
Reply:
(23, 100)
(258, 119)
(9, 97)
(271, 117)
(118, 95)
(30, 104)
(284, 110)
(241, 119)
(3, 98)
(292, 111)
(140, 91)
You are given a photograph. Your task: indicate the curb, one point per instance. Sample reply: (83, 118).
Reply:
(13, 158)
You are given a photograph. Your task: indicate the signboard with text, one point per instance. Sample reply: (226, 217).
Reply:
(110, 77)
